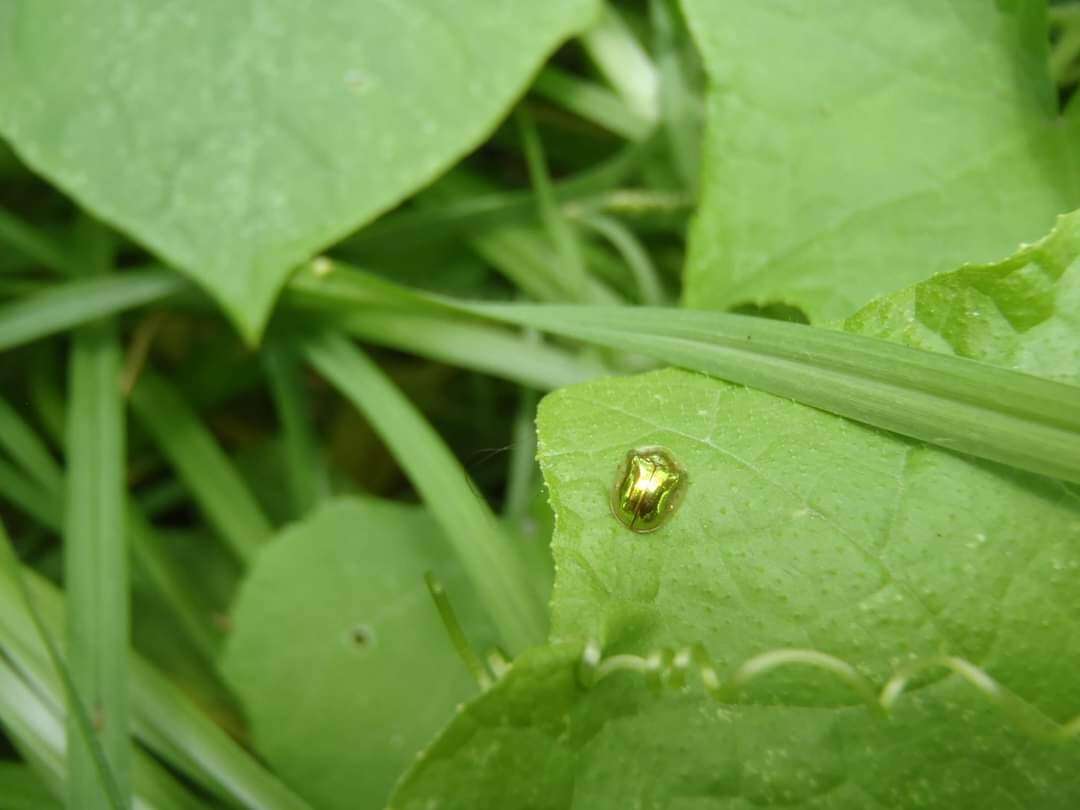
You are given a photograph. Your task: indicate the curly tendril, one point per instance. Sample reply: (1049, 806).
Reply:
(670, 668)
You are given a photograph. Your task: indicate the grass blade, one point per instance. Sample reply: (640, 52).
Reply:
(955, 403)
(151, 561)
(681, 108)
(487, 208)
(31, 243)
(83, 730)
(465, 343)
(522, 469)
(959, 404)
(573, 275)
(307, 475)
(32, 706)
(591, 101)
(633, 253)
(163, 718)
(625, 64)
(37, 730)
(520, 251)
(487, 557)
(95, 568)
(24, 446)
(73, 303)
(204, 467)
(28, 497)
(43, 499)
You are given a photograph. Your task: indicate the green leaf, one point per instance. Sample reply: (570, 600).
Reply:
(370, 673)
(95, 567)
(540, 741)
(871, 145)
(236, 141)
(798, 529)
(801, 529)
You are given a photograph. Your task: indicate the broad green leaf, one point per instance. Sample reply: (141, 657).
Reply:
(235, 141)
(801, 529)
(854, 149)
(369, 673)
(540, 741)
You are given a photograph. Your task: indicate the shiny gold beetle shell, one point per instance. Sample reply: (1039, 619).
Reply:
(648, 489)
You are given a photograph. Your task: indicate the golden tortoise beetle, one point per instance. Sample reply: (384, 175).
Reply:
(648, 489)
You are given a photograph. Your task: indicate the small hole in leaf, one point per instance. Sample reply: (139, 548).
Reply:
(362, 636)
(773, 311)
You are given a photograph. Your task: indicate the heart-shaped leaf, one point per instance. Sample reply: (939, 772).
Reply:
(236, 139)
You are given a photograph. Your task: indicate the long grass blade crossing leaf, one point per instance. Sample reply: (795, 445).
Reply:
(985, 411)
(955, 403)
